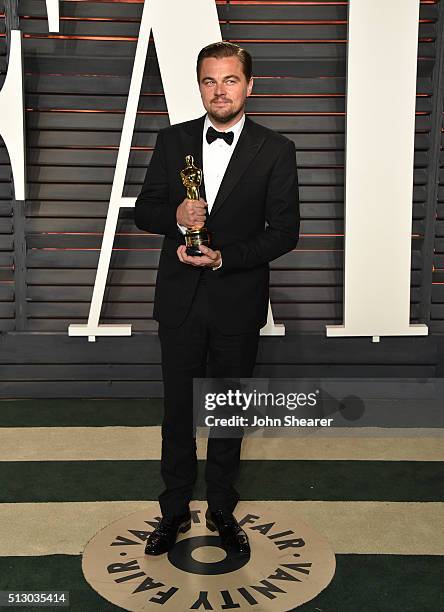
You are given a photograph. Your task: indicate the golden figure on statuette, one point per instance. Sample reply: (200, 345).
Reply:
(192, 179)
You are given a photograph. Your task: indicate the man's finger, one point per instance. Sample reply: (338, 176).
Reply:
(193, 259)
(181, 252)
(197, 261)
(208, 252)
(182, 255)
(196, 204)
(197, 216)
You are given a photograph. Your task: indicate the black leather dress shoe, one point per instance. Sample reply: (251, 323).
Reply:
(232, 537)
(164, 536)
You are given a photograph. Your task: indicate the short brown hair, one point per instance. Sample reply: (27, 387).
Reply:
(226, 49)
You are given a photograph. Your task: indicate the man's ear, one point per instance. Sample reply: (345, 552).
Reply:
(250, 86)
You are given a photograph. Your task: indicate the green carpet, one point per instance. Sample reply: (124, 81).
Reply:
(41, 481)
(362, 583)
(80, 412)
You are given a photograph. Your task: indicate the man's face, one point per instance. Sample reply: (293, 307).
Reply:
(223, 88)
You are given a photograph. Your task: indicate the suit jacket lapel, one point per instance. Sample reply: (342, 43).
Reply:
(191, 137)
(246, 149)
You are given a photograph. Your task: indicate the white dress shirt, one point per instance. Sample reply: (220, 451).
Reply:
(215, 159)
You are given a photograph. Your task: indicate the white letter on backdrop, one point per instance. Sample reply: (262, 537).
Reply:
(381, 97)
(12, 120)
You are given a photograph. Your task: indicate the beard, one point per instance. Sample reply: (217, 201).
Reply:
(224, 115)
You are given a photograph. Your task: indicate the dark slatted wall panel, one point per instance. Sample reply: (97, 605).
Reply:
(7, 309)
(76, 85)
(437, 307)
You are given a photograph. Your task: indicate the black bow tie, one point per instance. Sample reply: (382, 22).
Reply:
(213, 134)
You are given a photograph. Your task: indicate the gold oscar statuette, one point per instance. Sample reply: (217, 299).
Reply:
(192, 179)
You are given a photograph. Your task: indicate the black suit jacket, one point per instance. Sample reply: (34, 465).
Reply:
(254, 219)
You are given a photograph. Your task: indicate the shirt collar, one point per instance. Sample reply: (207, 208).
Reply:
(236, 128)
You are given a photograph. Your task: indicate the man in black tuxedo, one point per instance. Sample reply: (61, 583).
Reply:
(212, 306)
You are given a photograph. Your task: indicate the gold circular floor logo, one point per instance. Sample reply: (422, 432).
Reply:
(290, 564)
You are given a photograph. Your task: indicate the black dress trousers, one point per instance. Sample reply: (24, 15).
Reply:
(190, 351)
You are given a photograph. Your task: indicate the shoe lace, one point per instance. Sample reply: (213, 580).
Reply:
(227, 520)
(162, 528)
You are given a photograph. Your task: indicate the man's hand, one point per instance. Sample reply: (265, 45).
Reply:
(211, 259)
(191, 213)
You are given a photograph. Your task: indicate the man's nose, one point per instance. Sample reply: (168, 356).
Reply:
(220, 89)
